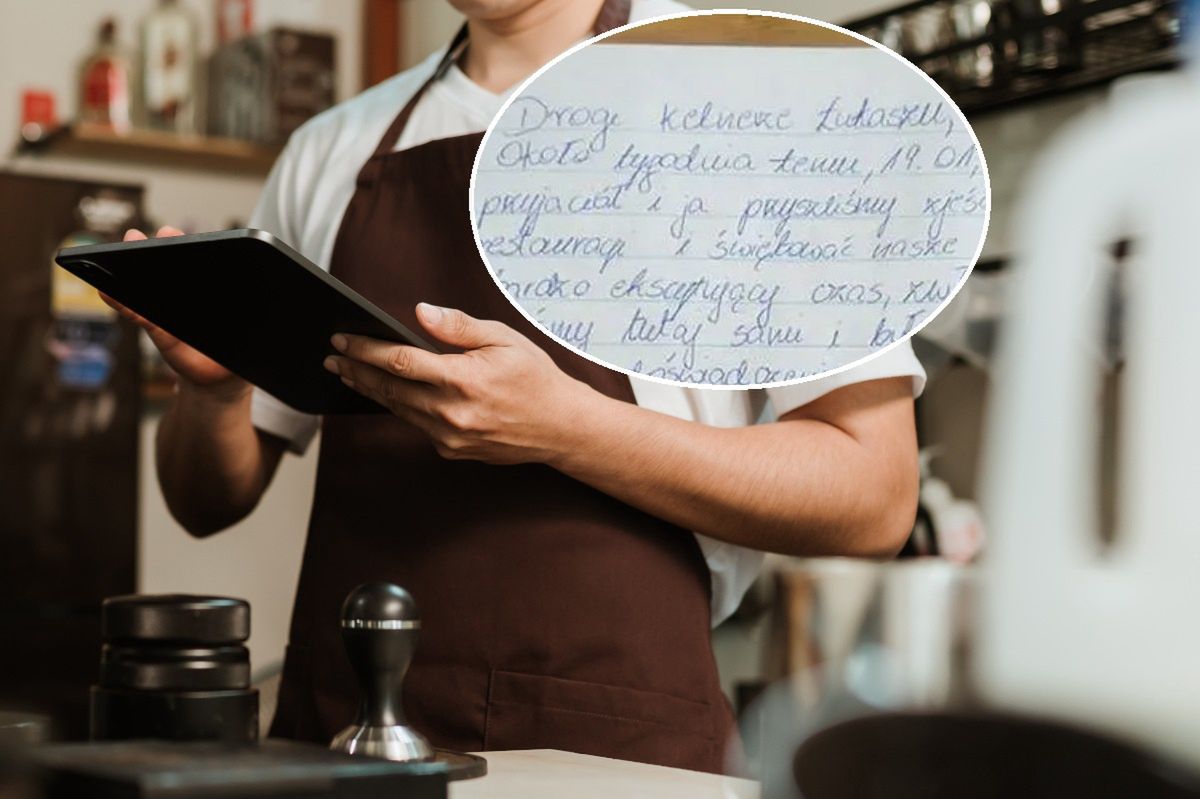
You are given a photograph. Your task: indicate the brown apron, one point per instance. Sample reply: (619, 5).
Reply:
(553, 616)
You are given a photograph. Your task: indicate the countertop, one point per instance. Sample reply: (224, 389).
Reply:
(551, 774)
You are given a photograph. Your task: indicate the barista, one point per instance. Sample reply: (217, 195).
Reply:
(569, 534)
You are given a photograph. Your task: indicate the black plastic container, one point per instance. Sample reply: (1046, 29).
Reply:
(175, 667)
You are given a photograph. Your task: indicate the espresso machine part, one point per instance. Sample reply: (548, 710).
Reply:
(1086, 623)
(918, 754)
(850, 638)
(379, 628)
(175, 667)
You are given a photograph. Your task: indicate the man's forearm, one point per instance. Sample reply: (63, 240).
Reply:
(800, 486)
(837, 475)
(212, 465)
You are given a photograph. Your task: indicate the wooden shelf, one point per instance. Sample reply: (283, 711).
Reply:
(200, 153)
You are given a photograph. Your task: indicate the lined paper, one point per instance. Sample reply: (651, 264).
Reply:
(729, 216)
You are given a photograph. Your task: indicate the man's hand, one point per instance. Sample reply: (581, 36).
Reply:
(501, 401)
(191, 365)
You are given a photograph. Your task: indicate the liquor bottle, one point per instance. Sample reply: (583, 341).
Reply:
(104, 85)
(169, 68)
(235, 19)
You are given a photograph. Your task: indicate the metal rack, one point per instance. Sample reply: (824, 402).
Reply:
(989, 54)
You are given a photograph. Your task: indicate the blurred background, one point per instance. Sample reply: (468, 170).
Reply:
(123, 113)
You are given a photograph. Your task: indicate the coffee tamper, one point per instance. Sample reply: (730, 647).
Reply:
(379, 627)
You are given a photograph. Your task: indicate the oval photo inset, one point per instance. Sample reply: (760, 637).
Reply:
(741, 210)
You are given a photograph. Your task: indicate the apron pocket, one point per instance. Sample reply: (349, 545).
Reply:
(528, 711)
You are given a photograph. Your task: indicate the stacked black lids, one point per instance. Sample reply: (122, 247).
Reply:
(175, 667)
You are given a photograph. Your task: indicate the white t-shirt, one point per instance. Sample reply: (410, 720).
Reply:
(311, 185)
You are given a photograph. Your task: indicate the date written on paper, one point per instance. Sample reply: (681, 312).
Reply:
(730, 216)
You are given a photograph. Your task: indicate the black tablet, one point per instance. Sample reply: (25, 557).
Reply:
(249, 302)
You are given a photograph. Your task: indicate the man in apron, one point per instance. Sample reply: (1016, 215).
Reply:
(569, 536)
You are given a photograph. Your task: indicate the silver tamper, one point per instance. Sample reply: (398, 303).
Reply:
(379, 627)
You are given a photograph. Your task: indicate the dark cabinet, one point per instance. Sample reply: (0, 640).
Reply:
(69, 417)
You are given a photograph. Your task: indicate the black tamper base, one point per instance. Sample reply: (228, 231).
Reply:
(175, 667)
(230, 716)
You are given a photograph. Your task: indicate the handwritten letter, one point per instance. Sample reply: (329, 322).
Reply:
(732, 216)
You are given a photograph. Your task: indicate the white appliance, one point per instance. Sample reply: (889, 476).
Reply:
(1104, 636)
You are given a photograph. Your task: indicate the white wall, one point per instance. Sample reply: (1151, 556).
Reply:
(257, 560)
(1011, 140)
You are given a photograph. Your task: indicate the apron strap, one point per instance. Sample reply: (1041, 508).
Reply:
(452, 52)
(456, 46)
(613, 14)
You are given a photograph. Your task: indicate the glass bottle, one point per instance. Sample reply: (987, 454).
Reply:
(169, 68)
(104, 85)
(235, 19)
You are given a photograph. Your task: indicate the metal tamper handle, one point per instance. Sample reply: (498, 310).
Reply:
(379, 627)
